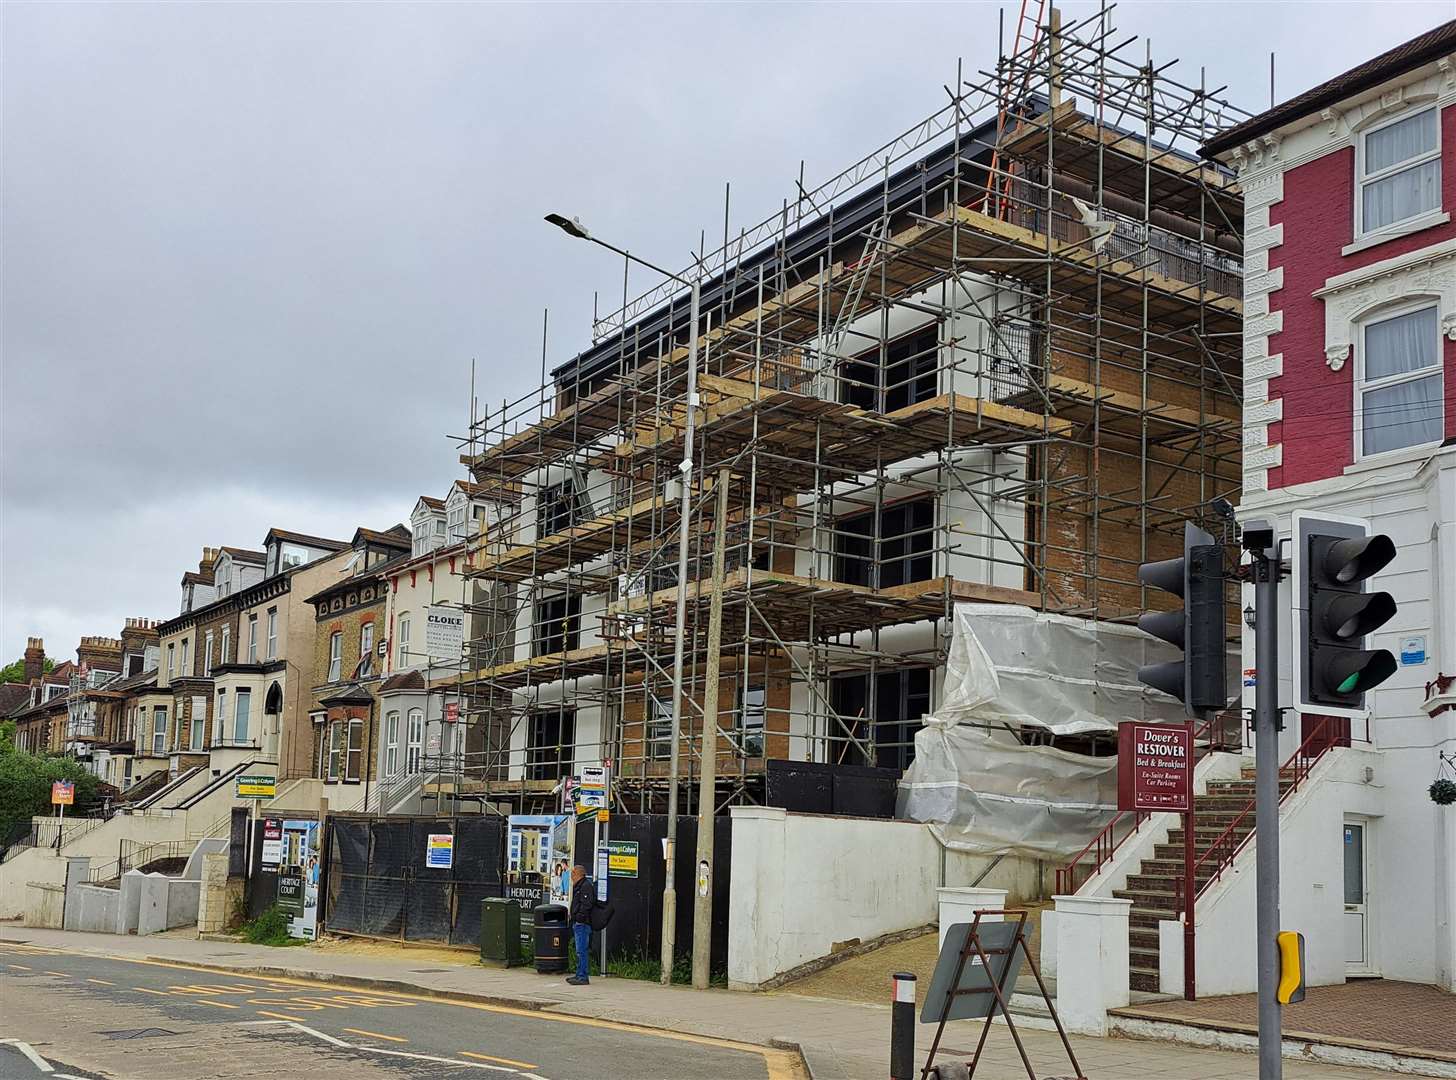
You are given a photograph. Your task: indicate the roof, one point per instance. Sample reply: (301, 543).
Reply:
(305, 539)
(195, 577)
(473, 489)
(405, 680)
(377, 571)
(432, 502)
(353, 694)
(13, 696)
(396, 537)
(244, 555)
(1432, 45)
(832, 224)
(133, 682)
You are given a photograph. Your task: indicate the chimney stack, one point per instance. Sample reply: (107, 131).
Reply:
(209, 556)
(34, 664)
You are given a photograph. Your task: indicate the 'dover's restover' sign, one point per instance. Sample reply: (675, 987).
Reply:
(1154, 767)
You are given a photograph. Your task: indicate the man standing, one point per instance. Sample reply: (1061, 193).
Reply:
(583, 900)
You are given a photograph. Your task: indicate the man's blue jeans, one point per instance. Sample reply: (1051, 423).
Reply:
(583, 932)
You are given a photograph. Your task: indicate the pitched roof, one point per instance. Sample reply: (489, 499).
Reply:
(13, 696)
(195, 577)
(405, 680)
(1432, 45)
(244, 555)
(432, 502)
(305, 539)
(396, 537)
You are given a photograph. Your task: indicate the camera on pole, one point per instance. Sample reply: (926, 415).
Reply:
(1197, 628)
(1335, 612)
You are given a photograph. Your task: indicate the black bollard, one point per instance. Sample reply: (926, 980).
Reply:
(902, 1027)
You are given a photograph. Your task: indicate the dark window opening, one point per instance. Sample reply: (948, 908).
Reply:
(752, 710)
(905, 546)
(900, 375)
(559, 507)
(901, 699)
(551, 749)
(558, 624)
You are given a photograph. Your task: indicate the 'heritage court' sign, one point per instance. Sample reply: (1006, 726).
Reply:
(1154, 767)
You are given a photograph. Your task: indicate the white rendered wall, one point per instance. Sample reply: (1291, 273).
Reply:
(1411, 848)
(803, 882)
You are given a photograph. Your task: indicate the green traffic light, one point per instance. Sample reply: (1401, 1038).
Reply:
(1348, 686)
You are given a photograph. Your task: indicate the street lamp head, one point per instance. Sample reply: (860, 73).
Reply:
(570, 226)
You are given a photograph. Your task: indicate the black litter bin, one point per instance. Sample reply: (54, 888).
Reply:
(551, 938)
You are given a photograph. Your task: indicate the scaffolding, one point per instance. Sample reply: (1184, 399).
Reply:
(997, 359)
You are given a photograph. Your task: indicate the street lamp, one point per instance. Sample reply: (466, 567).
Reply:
(574, 227)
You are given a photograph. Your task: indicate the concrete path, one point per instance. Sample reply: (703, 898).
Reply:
(839, 1040)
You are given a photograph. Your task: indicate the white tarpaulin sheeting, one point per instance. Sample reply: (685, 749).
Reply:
(1011, 669)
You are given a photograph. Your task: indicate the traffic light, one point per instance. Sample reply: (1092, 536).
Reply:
(1197, 628)
(1335, 613)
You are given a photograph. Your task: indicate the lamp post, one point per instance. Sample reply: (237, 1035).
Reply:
(573, 227)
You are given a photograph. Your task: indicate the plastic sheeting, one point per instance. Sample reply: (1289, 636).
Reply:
(1011, 670)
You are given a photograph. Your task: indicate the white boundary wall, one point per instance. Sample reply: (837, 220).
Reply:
(802, 883)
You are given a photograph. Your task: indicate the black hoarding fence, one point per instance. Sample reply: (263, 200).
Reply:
(380, 881)
(636, 926)
(238, 842)
(811, 787)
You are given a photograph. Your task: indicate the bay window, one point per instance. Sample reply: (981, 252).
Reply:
(1398, 397)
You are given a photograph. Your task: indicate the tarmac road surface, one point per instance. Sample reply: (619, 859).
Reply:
(70, 1015)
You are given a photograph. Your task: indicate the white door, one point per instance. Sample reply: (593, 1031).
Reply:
(1357, 894)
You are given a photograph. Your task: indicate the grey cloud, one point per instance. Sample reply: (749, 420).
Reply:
(250, 250)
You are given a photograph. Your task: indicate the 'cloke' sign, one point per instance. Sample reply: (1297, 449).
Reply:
(1154, 767)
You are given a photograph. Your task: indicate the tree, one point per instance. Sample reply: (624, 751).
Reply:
(7, 736)
(25, 787)
(15, 672)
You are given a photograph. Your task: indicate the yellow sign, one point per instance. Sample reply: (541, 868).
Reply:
(622, 858)
(604, 816)
(256, 787)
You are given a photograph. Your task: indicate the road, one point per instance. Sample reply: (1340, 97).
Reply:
(71, 1015)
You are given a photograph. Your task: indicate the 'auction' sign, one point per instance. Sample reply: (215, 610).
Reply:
(1154, 767)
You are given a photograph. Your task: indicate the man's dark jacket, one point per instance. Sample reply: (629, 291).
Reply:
(583, 898)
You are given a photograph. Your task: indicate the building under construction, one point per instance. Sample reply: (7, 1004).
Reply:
(998, 359)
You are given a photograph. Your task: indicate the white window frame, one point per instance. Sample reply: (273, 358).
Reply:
(272, 648)
(207, 656)
(252, 639)
(403, 633)
(159, 731)
(242, 715)
(219, 716)
(366, 649)
(197, 725)
(1362, 387)
(391, 743)
(336, 656)
(186, 666)
(171, 659)
(227, 633)
(1362, 179)
(415, 745)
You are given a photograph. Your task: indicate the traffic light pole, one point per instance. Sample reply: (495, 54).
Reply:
(1264, 549)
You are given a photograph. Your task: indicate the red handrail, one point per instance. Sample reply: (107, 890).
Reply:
(1300, 764)
(1103, 844)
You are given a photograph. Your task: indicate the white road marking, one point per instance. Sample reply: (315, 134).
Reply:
(35, 1059)
(392, 1053)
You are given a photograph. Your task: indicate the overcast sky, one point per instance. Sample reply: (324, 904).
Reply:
(250, 250)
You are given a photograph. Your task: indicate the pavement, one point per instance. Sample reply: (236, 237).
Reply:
(1412, 1019)
(624, 1026)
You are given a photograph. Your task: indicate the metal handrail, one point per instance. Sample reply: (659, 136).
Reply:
(1300, 764)
(1103, 846)
(139, 855)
